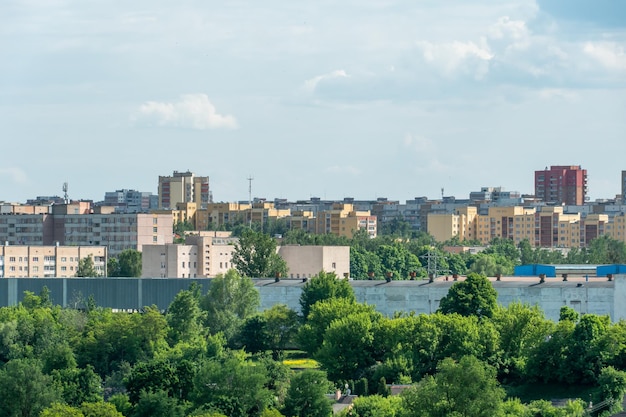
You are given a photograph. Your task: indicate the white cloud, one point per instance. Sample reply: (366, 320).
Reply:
(610, 54)
(17, 175)
(191, 111)
(311, 84)
(458, 57)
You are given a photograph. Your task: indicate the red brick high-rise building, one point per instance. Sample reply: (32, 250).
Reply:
(562, 184)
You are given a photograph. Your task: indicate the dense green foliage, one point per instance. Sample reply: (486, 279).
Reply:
(255, 256)
(213, 354)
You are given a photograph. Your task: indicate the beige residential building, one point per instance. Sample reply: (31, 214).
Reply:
(343, 220)
(48, 261)
(216, 215)
(461, 223)
(307, 261)
(183, 187)
(202, 256)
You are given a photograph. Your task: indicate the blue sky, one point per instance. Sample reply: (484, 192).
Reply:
(327, 99)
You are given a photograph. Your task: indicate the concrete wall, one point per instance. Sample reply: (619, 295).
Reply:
(597, 296)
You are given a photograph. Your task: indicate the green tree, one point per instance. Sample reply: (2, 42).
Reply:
(129, 262)
(307, 395)
(474, 296)
(184, 317)
(375, 406)
(324, 286)
(86, 268)
(61, 410)
(232, 386)
(255, 256)
(466, 388)
(347, 350)
(113, 267)
(24, 389)
(322, 314)
(273, 329)
(612, 387)
(521, 329)
(231, 299)
(157, 404)
(99, 409)
(79, 385)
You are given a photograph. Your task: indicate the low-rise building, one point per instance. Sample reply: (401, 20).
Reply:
(49, 261)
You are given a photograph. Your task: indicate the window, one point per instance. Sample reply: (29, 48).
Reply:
(154, 238)
(35, 258)
(64, 268)
(183, 264)
(63, 259)
(12, 259)
(155, 230)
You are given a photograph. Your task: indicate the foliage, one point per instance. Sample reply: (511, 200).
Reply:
(474, 296)
(129, 263)
(233, 386)
(29, 390)
(347, 350)
(374, 406)
(307, 395)
(464, 388)
(255, 256)
(274, 330)
(231, 299)
(324, 286)
(157, 404)
(86, 268)
(184, 317)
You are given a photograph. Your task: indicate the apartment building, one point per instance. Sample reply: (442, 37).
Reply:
(561, 184)
(48, 261)
(78, 224)
(130, 201)
(461, 223)
(307, 261)
(204, 255)
(183, 187)
(343, 220)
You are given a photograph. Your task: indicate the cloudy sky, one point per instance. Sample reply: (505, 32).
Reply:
(330, 99)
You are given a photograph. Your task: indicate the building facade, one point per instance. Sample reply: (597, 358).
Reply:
(308, 261)
(204, 255)
(131, 201)
(183, 187)
(561, 184)
(77, 224)
(49, 261)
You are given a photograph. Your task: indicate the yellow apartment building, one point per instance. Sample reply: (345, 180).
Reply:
(343, 220)
(217, 215)
(183, 187)
(461, 223)
(48, 261)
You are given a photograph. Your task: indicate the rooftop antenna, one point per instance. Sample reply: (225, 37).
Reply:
(66, 198)
(442, 193)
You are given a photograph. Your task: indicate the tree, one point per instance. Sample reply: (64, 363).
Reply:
(113, 267)
(233, 386)
(324, 286)
(99, 409)
(25, 390)
(307, 395)
(61, 410)
(464, 388)
(474, 296)
(184, 317)
(322, 314)
(347, 350)
(86, 268)
(129, 263)
(230, 300)
(157, 404)
(271, 330)
(255, 256)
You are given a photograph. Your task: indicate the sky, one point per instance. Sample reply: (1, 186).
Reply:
(328, 99)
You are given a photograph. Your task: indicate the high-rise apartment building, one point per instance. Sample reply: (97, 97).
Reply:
(183, 187)
(562, 184)
(130, 201)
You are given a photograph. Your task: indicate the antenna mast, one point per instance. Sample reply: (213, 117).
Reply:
(66, 198)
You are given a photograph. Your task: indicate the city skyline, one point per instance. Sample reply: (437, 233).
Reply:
(359, 99)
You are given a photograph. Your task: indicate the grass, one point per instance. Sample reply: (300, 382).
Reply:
(299, 360)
